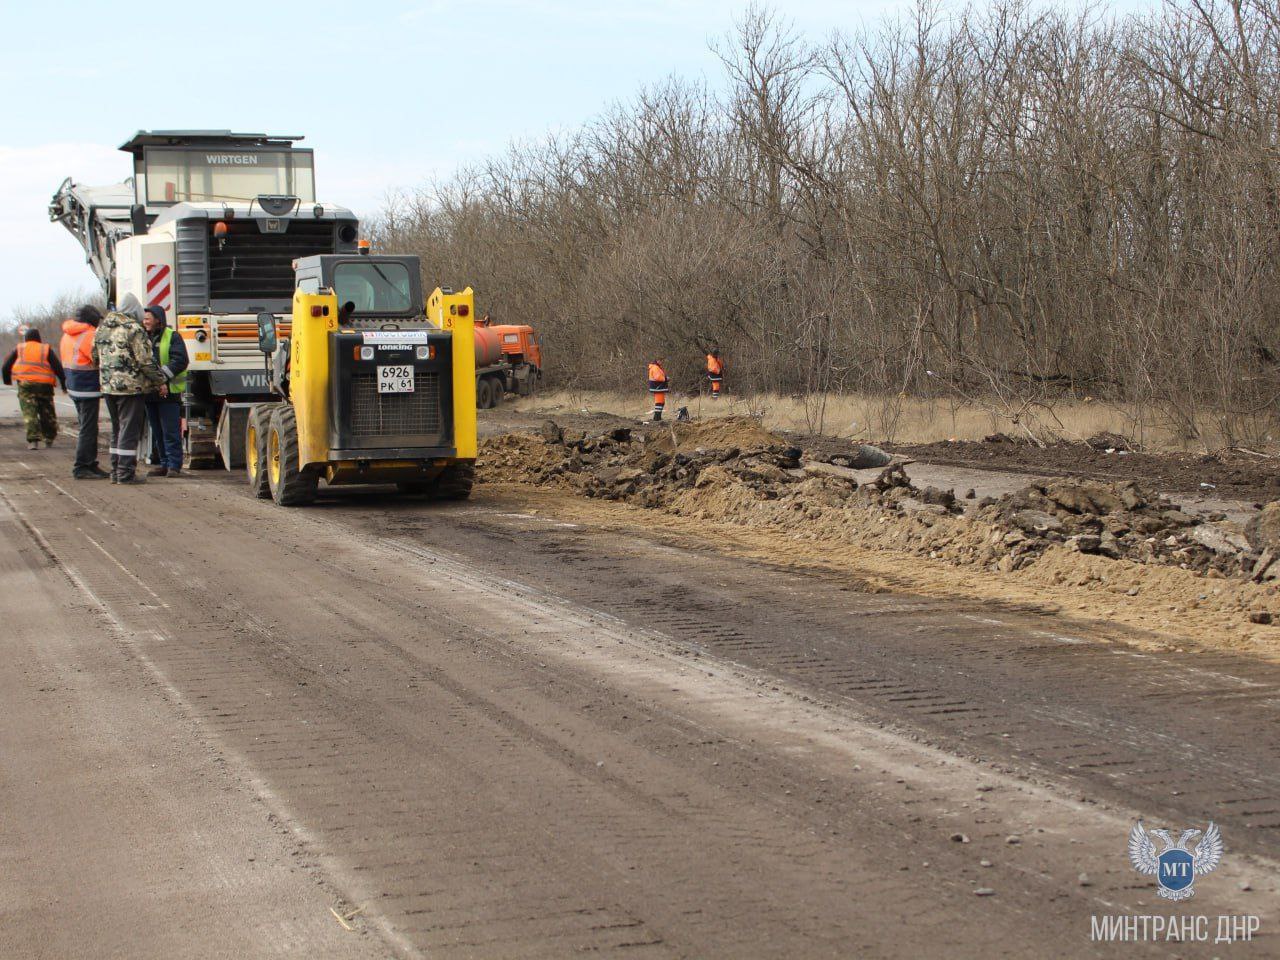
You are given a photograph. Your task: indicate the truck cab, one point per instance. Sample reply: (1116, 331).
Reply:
(519, 344)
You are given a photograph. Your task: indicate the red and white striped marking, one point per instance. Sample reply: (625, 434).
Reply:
(159, 287)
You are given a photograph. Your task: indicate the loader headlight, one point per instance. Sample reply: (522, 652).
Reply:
(366, 353)
(422, 352)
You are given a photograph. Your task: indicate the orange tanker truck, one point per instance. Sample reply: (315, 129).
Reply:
(508, 360)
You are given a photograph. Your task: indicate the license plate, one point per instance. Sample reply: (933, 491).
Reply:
(397, 378)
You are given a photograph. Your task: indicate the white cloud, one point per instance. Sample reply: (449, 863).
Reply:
(39, 260)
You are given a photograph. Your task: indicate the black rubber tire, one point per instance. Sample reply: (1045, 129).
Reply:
(455, 481)
(497, 392)
(484, 394)
(416, 488)
(290, 485)
(255, 449)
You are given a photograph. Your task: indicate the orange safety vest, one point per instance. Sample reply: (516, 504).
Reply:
(657, 374)
(76, 349)
(32, 365)
(715, 366)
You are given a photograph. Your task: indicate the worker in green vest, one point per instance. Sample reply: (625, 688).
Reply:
(164, 408)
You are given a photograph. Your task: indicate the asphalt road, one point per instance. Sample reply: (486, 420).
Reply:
(527, 727)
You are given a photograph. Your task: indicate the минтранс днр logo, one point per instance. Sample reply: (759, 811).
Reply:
(1175, 867)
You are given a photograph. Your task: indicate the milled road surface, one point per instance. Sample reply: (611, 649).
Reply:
(509, 728)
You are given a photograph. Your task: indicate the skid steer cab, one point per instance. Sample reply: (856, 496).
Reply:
(372, 386)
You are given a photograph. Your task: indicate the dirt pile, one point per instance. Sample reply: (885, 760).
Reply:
(1120, 520)
(734, 471)
(648, 466)
(719, 434)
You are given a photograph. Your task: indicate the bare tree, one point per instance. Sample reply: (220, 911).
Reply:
(1013, 205)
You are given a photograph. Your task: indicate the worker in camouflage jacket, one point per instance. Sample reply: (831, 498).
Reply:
(128, 370)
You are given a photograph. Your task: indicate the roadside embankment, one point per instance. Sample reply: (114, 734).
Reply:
(1115, 552)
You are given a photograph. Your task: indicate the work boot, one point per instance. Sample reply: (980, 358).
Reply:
(48, 443)
(131, 480)
(657, 415)
(97, 471)
(88, 475)
(175, 472)
(158, 472)
(33, 444)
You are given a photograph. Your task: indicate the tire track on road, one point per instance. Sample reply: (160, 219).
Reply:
(526, 779)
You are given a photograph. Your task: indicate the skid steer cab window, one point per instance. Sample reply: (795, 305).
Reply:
(232, 175)
(376, 289)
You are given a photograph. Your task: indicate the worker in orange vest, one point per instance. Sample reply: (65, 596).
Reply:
(84, 388)
(658, 387)
(37, 370)
(715, 372)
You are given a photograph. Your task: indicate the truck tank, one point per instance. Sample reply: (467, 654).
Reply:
(488, 347)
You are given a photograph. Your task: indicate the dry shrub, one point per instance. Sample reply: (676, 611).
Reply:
(1009, 209)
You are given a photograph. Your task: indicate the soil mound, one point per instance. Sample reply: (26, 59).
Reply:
(734, 471)
(720, 433)
(1118, 520)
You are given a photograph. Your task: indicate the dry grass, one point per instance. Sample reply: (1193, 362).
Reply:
(895, 419)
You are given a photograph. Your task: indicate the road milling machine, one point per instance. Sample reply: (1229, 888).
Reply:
(208, 227)
(369, 386)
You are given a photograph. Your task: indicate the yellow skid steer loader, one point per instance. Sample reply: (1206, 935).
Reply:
(373, 386)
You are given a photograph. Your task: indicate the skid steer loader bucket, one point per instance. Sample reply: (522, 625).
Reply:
(231, 426)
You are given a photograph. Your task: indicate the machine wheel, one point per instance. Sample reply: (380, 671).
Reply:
(455, 481)
(484, 394)
(415, 488)
(497, 390)
(255, 449)
(290, 485)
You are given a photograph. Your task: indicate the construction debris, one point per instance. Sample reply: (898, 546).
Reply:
(864, 456)
(732, 469)
(1110, 443)
(1117, 520)
(1263, 530)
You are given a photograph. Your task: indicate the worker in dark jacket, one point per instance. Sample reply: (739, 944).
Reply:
(128, 370)
(37, 370)
(84, 388)
(164, 407)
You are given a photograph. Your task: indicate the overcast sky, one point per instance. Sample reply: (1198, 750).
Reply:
(389, 94)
